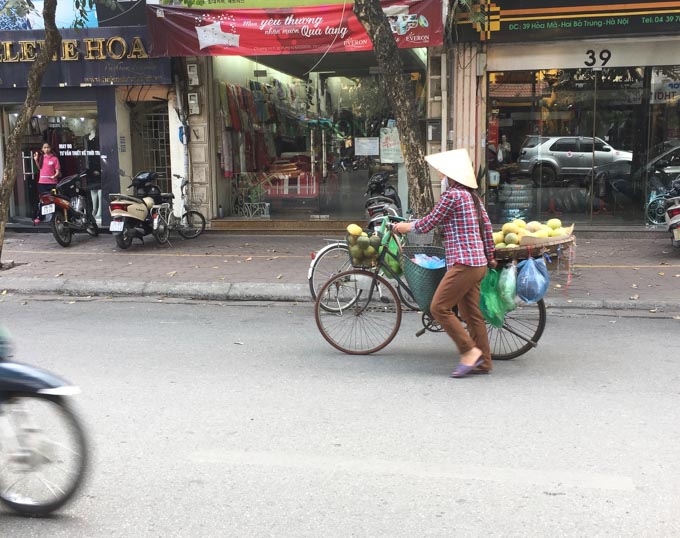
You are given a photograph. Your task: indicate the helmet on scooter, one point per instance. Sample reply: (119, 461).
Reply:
(377, 182)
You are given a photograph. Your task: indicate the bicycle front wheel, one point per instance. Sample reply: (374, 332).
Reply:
(329, 261)
(44, 454)
(191, 225)
(358, 312)
(520, 332)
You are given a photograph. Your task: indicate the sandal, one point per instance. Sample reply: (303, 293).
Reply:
(462, 369)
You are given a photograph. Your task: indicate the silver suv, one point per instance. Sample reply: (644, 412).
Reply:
(548, 159)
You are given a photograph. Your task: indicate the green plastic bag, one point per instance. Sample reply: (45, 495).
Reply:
(390, 242)
(490, 302)
(507, 286)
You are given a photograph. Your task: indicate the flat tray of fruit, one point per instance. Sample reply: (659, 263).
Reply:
(519, 239)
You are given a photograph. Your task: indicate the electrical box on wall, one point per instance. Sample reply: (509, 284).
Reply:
(194, 106)
(434, 130)
(192, 74)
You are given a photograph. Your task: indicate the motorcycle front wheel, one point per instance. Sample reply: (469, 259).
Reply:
(60, 229)
(124, 239)
(44, 453)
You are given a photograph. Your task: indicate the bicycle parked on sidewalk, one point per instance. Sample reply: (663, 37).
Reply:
(190, 225)
(359, 312)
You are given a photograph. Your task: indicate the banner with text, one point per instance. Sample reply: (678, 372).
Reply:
(303, 30)
(538, 20)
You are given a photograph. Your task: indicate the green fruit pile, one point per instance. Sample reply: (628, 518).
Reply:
(362, 248)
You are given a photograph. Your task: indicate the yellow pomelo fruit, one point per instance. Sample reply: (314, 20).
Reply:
(512, 246)
(557, 232)
(519, 223)
(533, 226)
(510, 228)
(498, 237)
(354, 229)
(554, 223)
(501, 245)
(542, 233)
(511, 239)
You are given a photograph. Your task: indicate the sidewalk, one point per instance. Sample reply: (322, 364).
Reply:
(614, 273)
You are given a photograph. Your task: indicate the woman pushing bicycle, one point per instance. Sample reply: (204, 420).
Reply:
(468, 241)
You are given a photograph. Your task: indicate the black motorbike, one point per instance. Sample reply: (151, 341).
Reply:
(383, 199)
(68, 207)
(42, 443)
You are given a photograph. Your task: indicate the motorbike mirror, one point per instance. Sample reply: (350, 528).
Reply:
(185, 182)
(122, 172)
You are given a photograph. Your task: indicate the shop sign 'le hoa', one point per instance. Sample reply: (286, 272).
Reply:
(89, 48)
(90, 57)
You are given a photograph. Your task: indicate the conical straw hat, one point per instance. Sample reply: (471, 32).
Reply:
(456, 165)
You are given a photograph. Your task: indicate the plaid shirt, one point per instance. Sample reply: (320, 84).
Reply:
(456, 213)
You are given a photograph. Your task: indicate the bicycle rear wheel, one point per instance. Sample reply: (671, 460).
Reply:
(358, 312)
(192, 225)
(520, 332)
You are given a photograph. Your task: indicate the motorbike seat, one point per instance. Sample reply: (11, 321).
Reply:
(149, 202)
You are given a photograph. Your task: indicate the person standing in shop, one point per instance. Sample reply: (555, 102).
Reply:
(469, 246)
(50, 172)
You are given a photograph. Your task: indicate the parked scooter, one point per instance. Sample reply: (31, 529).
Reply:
(132, 217)
(383, 198)
(672, 208)
(68, 207)
(42, 443)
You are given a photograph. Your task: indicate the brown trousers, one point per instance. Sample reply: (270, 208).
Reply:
(460, 286)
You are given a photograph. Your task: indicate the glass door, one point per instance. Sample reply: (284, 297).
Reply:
(584, 144)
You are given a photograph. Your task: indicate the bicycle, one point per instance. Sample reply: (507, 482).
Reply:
(334, 258)
(359, 312)
(190, 225)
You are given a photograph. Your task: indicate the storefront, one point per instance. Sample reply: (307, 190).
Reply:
(581, 107)
(300, 119)
(88, 99)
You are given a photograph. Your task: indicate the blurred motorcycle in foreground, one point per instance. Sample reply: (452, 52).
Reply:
(43, 451)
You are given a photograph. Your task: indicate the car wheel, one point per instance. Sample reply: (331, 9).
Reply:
(544, 176)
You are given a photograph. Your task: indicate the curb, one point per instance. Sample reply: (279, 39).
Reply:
(276, 292)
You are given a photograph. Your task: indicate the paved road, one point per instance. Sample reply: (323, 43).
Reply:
(608, 271)
(237, 419)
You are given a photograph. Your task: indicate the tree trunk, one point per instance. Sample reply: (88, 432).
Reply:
(371, 16)
(35, 76)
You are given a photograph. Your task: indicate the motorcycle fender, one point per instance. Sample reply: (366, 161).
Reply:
(47, 198)
(62, 202)
(19, 377)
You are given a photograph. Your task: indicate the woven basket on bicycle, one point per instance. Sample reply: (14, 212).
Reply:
(422, 281)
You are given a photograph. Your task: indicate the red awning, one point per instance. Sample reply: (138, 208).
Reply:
(302, 30)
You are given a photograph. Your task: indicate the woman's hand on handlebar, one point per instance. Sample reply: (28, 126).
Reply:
(402, 227)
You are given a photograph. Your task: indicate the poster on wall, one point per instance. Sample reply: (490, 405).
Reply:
(390, 146)
(318, 29)
(367, 146)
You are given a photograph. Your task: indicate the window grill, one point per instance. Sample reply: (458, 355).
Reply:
(156, 147)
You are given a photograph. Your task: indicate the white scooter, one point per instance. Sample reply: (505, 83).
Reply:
(672, 208)
(133, 216)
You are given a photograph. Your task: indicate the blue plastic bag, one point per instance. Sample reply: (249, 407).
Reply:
(532, 280)
(429, 262)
